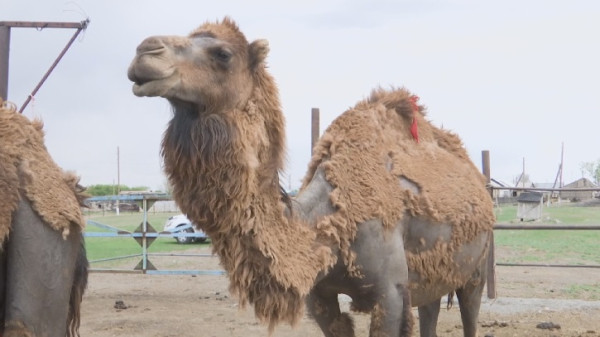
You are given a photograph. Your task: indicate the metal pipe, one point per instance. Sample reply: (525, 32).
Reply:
(42, 25)
(4, 55)
(548, 265)
(115, 258)
(81, 26)
(547, 227)
(535, 189)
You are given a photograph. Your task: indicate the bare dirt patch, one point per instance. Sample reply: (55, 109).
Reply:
(183, 305)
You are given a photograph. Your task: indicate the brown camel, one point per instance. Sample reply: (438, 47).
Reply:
(392, 212)
(43, 265)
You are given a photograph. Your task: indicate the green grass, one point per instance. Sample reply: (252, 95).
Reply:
(551, 246)
(589, 292)
(103, 248)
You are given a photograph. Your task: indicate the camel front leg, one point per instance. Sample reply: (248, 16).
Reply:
(392, 315)
(384, 267)
(428, 318)
(325, 309)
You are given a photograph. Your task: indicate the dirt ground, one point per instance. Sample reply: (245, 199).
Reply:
(184, 305)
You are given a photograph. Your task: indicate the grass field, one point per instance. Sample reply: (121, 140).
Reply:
(99, 248)
(551, 246)
(513, 246)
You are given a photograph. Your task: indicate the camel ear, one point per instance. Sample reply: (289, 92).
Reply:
(258, 51)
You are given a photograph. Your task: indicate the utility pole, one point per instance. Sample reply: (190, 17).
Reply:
(4, 54)
(118, 178)
(562, 160)
(523, 173)
(314, 128)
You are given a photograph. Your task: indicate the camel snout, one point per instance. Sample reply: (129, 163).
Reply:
(151, 45)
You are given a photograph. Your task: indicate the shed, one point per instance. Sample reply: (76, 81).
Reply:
(578, 195)
(529, 206)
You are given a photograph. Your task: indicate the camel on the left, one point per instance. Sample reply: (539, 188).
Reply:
(43, 264)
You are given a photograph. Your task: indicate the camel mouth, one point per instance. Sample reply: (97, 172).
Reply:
(152, 81)
(151, 76)
(157, 87)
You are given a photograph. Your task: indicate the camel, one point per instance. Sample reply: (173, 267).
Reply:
(391, 211)
(43, 264)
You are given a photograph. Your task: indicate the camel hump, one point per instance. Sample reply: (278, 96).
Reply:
(403, 101)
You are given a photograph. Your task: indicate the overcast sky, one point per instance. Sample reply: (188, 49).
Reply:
(515, 77)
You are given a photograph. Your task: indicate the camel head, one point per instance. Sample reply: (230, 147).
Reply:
(211, 68)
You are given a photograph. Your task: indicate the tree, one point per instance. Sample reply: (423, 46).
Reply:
(103, 189)
(591, 170)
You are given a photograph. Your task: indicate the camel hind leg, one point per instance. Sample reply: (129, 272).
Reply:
(469, 300)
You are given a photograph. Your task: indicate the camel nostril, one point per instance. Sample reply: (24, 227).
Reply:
(151, 45)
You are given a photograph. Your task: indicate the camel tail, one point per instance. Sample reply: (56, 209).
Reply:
(450, 300)
(80, 280)
(406, 328)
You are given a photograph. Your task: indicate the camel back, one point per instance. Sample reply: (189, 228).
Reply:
(369, 149)
(28, 171)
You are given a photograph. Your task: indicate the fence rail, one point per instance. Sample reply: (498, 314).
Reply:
(144, 235)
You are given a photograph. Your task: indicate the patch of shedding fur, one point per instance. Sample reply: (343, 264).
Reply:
(28, 171)
(409, 185)
(433, 179)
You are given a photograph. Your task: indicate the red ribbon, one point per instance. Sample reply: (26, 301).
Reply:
(414, 130)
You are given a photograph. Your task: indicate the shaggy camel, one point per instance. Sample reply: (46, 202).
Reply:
(391, 212)
(43, 265)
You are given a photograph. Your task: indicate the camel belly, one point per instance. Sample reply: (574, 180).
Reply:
(436, 264)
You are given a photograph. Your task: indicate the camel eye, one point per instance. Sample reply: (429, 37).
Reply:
(222, 55)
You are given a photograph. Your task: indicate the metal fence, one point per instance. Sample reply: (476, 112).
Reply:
(491, 272)
(144, 235)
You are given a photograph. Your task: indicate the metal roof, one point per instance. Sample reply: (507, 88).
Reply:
(530, 197)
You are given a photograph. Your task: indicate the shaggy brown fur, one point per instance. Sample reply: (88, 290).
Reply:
(374, 140)
(28, 171)
(271, 261)
(223, 151)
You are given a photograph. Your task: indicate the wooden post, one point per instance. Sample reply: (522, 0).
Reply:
(314, 129)
(491, 262)
(4, 54)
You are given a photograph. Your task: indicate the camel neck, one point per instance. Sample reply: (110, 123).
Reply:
(224, 172)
